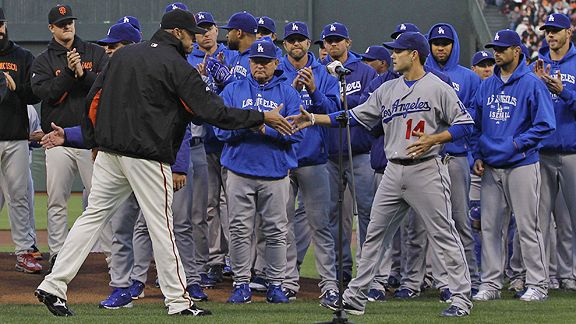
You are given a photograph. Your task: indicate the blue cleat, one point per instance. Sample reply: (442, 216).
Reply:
(376, 295)
(241, 294)
(206, 282)
(445, 296)
(136, 290)
(196, 293)
(120, 297)
(406, 293)
(454, 311)
(329, 298)
(275, 295)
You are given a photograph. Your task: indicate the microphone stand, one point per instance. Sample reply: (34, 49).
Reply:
(340, 314)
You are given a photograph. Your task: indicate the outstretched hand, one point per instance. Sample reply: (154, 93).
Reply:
(300, 121)
(54, 138)
(273, 119)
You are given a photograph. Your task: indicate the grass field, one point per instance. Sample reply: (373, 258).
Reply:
(559, 309)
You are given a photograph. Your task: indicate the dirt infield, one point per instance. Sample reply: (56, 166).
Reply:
(91, 284)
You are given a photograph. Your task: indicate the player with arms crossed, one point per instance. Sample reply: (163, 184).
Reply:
(419, 112)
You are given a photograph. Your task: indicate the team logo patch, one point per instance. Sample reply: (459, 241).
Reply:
(125, 20)
(200, 16)
(261, 21)
(551, 18)
(260, 49)
(497, 37)
(62, 10)
(484, 54)
(440, 30)
(402, 27)
(332, 28)
(294, 26)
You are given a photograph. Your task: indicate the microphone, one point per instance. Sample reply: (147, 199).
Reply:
(337, 69)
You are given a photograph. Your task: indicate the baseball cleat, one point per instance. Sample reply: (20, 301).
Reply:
(533, 294)
(275, 295)
(120, 297)
(194, 311)
(406, 293)
(291, 294)
(196, 293)
(328, 298)
(347, 308)
(454, 311)
(137, 290)
(206, 282)
(445, 295)
(56, 305)
(376, 295)
(241, 294)
(485, 295)
(258, 284)
(25, 262)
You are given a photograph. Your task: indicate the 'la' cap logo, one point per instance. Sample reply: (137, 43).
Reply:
(126, 19)
(440, 30)
(551, 18)
(260, 48)
(62, 10)
(294, 26)
(261, 21)
(484, 54)
(402, 27)
(200, 16)
(174, 6)
(497, 37)
(332, 28)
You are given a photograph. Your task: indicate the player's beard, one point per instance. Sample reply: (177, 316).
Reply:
(234, 45)
(4, 40)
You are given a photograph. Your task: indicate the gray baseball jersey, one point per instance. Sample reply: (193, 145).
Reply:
(429, 106)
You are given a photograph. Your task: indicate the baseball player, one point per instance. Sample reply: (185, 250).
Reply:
(322, 52)
(483, 64)
(445, 50)
(206, 47)
(135, 157)
(266, 28)
(415, 176)
(378, 58)
(337, 41)
(258, 161)
(61, 77)
(556, 67)
(15, 64)
(514, 113)
(319, 93)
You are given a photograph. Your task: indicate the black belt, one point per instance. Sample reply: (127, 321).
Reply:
(406, 162)
(196, 140)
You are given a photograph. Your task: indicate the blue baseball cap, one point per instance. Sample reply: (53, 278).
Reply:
(321, 40)
(505, 38)
(243, 21)
(441, 31)
(204, 17)
(377, 53)
(557, 20)
(482, 56)
(121, 32)
(263, 49)
(130, 19)
(410, 41)
(402, 28)
(267, 23)
(335, 29)
(296, 28)
(176, 5)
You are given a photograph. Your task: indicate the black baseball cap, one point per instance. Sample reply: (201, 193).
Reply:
(2, 17)
(182, 19)
(60, 13)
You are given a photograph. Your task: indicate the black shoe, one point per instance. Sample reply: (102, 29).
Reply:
(56, 305)
(52, 260)
(454, 311)
(334, 306)
(215, 273)
(194, 311)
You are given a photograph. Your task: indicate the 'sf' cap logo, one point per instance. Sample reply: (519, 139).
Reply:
(126, 19)
(294, 26)
(62, 10)
(551, 18)
(260, 48)
(440, 30)
(332, 28)
(402, 27)
(497, 37)
(200, 16)
(484, 54)
(261, 21)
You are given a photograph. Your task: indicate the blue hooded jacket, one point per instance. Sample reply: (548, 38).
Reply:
(511, 118)
(313, 149)
(464, 81)
(564, 138)
(249, 153)
(362, 74)
(211, 143)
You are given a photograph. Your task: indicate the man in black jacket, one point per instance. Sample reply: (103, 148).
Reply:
(136, 115)
(62, 76)
(15, 63)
